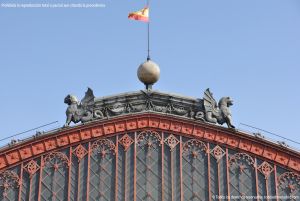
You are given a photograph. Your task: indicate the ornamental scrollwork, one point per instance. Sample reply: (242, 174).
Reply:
(104, 147)
(290, 182)
(126, 141)
(179, 110)
(194, 147)
(56, 160)
(171, 141)
(8, 180)
(241, 160)
(217, 153)
(31, 168)
(80, 152)
(149, 140)
(266, 169)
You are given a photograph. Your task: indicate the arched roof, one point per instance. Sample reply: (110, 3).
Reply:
(61, 138)
(146, 145)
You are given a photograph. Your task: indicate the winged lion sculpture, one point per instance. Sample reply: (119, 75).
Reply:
(217, 113)
(79, 111)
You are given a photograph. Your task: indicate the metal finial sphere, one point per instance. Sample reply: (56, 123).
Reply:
(148, 73)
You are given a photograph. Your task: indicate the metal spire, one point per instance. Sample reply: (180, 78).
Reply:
(148, 26)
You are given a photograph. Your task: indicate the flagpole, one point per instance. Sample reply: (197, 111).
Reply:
(148, 27)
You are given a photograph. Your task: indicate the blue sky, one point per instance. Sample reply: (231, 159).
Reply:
(248, 50)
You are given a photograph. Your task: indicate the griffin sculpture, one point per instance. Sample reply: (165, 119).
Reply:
(217, 113)
(79, 111)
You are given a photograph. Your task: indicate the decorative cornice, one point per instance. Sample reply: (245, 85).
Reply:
(91, 108)
(230, 138)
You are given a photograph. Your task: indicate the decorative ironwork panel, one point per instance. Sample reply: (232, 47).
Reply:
(74, 179)
(102, 171)
(242, 177)
(79, 173)
(26, 186)
(121, 172)
(149, 173)
(171, 169)
(171, 141)
(217, 154)
(129, 169)
(9, 185)
(223, 187)
(126, 141)
(177, 168)
(30, 180)
(271, 185)
(34, 186)
(289, 186)
(195, 171)
(147, 165)
(55, 177)
(82, 188)
(168, 176)
(126, 157)
(264, 171)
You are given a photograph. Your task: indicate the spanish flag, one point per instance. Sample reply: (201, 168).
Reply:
(141, 15)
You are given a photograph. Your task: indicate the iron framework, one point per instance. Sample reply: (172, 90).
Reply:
(148, 164)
